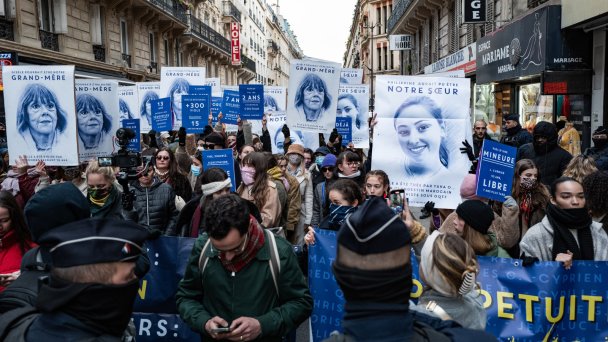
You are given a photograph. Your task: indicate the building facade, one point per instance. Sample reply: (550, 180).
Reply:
(367, 46)
(520, 59)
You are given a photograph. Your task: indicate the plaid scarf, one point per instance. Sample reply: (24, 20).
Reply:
(255, 241)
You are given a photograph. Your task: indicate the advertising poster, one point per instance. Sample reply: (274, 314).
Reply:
(40, 113)
(275, 99)
(175, 82)
(230, 107)
(97, 113)
(161, 114)
(275, 124)
(351, 76)
(251, 101)
(422, 122)
(313, 95)
(146, 92)
(496, 168)
(128, 100)
(353, 103)
(135, 143)
(196, 112)
(344, 127)
(221, 159)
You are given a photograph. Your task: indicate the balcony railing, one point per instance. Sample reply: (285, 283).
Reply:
(49, 40)
(398, 11)
(99, 51)
(272, 46)
(248, 63)
(231, 11)
(7, 30)
(127, 59)
(173, 8)
(208, 35)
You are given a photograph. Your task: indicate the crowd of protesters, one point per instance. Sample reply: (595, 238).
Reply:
(243, 281)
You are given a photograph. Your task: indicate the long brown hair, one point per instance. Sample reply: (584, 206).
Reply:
(481, 243)
(173, 167)
(453, 257)
(259, 189)
(7, 201)
(540, 195)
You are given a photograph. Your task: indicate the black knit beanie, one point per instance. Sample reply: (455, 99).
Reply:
(476, 214)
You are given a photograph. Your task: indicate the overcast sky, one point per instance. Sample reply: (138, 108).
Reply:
(322, 26)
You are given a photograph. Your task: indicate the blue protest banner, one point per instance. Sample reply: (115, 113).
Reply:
(251, 101)
(195, 112)
(230, 107)
(496, 167)
(344, 125)
(162, 119)
(134, 144)
(216, 107)
(200, 89)
(222, 159)
(152, 327)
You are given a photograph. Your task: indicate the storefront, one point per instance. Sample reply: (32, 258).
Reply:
(533, 68)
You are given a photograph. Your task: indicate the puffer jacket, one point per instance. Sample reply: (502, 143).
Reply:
(155, 206)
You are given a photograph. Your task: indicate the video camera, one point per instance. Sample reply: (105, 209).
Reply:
(129, 164)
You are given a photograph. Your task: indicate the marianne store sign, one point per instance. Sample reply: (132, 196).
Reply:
(465, 59)
(530, 45)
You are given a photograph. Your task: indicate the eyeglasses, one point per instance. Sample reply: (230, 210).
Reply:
(238, 249)
(353, 163)
(208, 146)
(480, 128)
(327, 168)
(162, 157)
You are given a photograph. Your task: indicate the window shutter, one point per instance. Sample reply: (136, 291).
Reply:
(490, 15)
(96, 24)
(60, 16)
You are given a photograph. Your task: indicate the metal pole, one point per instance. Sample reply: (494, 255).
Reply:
(371, 44)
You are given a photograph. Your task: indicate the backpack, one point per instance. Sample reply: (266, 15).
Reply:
(274, 261)
(15, 323)
(422, 332)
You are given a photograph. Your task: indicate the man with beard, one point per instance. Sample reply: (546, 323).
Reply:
(91, 289)
(546, 154)
(516, 135)
(599, 152)
(480, 133)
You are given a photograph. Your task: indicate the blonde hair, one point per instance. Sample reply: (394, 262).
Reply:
(454, 258)
(105, 171)
(580, 167)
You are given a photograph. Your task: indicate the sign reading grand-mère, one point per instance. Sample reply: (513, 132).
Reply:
(235, 44)
(400, 42)
(465, 59)
(474, 11)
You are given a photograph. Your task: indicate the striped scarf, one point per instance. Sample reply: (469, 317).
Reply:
(255, 241)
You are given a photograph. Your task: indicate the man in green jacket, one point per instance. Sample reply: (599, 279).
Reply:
(237, 297)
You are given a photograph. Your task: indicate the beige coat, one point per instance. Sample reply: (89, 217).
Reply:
(271, 211)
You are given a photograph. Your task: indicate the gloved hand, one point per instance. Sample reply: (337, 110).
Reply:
(468, 150)
(528, 261)
(286, 132)
(473, 169)
(429, 208)
(322, 140)
(510, 202)
(333, 136)
(181, 134)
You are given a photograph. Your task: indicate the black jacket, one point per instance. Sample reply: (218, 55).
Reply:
(155, 206)
(58, 326)
(516, 136)
(478, 143)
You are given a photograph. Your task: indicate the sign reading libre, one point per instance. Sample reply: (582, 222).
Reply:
(235, 45)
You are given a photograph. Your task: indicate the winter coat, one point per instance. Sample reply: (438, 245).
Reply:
(550, 165)
(155, 206)
(478, 143)
(538, 241)
(181, 186)
(60, 327)
(11, 254)
(271, 211)
(570, 140)
(291, 212)
(517, 139)
(319, 200)
(600, 155)
(305, 184)
(466, 310)
(249, 292)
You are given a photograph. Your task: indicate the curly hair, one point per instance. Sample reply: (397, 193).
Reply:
(580, 167)
(225, 213)
(595, 187)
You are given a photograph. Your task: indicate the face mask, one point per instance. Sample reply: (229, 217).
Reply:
(200, 148)
(248, 175)
(195, 170)
(337, 213)
(319, 160)
(599, 143)
(528, 183)
(98, 194)
(294, 159)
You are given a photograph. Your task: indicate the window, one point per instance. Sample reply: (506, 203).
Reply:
(97, 25)
(124, 37)
(385, 58)
(47, 16)
(178, 53)
(378, 19)
(378, 58)
(152, 46)
(206, 18)
(166, 46)
(8, 9)
(385, 8)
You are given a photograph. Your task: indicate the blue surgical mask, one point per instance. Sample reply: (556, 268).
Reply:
(319, 160)
(337, 213)
(195, 170)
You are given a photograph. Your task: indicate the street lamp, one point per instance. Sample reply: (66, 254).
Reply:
(371, 43)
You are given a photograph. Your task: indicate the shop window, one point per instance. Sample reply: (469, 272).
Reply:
(534, 107)
(485, 109)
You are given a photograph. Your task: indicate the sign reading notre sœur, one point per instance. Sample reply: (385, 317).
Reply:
(473, 11)
(400, 42)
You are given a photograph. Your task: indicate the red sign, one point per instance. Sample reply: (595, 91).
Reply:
(235, 45)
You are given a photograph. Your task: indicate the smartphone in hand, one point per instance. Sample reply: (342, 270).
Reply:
(397, 198)
(221, 330)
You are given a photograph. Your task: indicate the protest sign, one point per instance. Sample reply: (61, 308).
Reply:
(230, 107)
(97, 116)
(421, 125)
(275, 124)
(215, 84)
(128, 101)
(251, 101)
(196, 109)
(275, 99)
(174, 83)
(161, 114)
(221, 159)
(351, 76)
(495, 173)
(135, 143)
(216, 107)
(312, 95)
(146, 92)
(344, 127)
(353, 103)
(40, 113)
